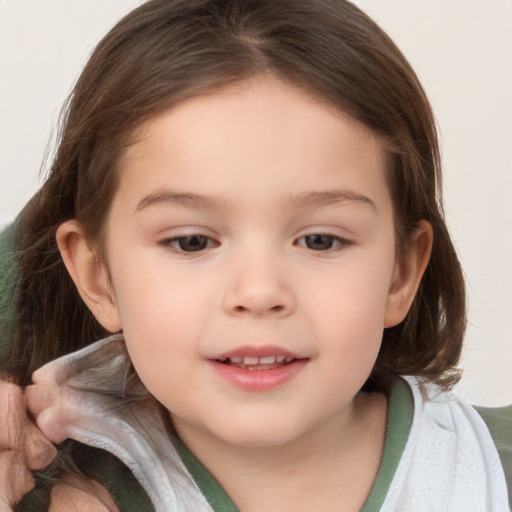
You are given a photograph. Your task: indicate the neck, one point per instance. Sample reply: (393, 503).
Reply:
(336, 463)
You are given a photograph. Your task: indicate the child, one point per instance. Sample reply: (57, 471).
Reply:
(245, 210)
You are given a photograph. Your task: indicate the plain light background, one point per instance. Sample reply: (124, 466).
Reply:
(462, 51)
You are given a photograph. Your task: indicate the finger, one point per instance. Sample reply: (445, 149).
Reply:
(38, 398)
(44, 404)
(56, 424)
(54, 373)
(15, 478)
(39, 451)
(5, 507)
(58, 411)
(12, 416)
(17, 433)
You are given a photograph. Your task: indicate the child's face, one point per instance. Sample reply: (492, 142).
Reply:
(253, 222)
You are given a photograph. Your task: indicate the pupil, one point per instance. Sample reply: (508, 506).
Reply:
(319, 242)
(193, 243)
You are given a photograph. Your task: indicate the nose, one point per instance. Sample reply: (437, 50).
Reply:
(259, 287)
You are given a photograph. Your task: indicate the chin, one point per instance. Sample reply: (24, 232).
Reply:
(269, 435)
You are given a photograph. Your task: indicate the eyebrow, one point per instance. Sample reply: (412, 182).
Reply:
(166, 197)
(330, 198)
(306, 200)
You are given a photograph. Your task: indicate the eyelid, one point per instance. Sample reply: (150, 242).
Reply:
(343, 242)
(167, 243)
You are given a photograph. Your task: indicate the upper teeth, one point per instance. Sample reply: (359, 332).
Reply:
(249, 360)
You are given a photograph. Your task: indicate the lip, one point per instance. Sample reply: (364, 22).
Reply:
(256, 351)
(258, 379)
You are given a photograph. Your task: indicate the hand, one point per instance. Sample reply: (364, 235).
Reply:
(86, 391)
(23, 447)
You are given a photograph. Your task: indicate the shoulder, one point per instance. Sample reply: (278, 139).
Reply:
(479, 433)
(74, 494)
(499, 423)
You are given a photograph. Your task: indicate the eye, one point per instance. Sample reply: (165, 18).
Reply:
(188, 244)
(322, 242)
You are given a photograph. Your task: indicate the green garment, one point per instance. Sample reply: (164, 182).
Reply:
(8, 273)
(399, 423)
(130, 496)
(499, 423)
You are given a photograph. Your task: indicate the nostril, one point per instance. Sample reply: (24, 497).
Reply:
(279, 308)
(258, 301)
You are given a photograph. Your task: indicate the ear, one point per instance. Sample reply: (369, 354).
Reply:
(407, 275)
(89, 274)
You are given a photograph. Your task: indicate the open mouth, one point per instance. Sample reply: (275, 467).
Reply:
(252, 371)
(258, 363)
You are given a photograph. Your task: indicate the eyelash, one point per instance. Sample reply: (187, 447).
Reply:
(342, 243)
(173, 244)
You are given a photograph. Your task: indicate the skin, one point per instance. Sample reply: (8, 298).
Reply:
(22, 446)
(72, 495)
(256, 173)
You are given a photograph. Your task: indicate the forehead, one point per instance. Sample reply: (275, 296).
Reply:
(258, 129)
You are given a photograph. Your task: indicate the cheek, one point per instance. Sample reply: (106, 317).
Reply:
(163, 314)
(160, 338)
(348, 310)
(352, 328)
(155, 294)
(351, 334)
(353, 295)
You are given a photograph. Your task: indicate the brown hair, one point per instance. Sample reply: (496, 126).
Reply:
(166, 51)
